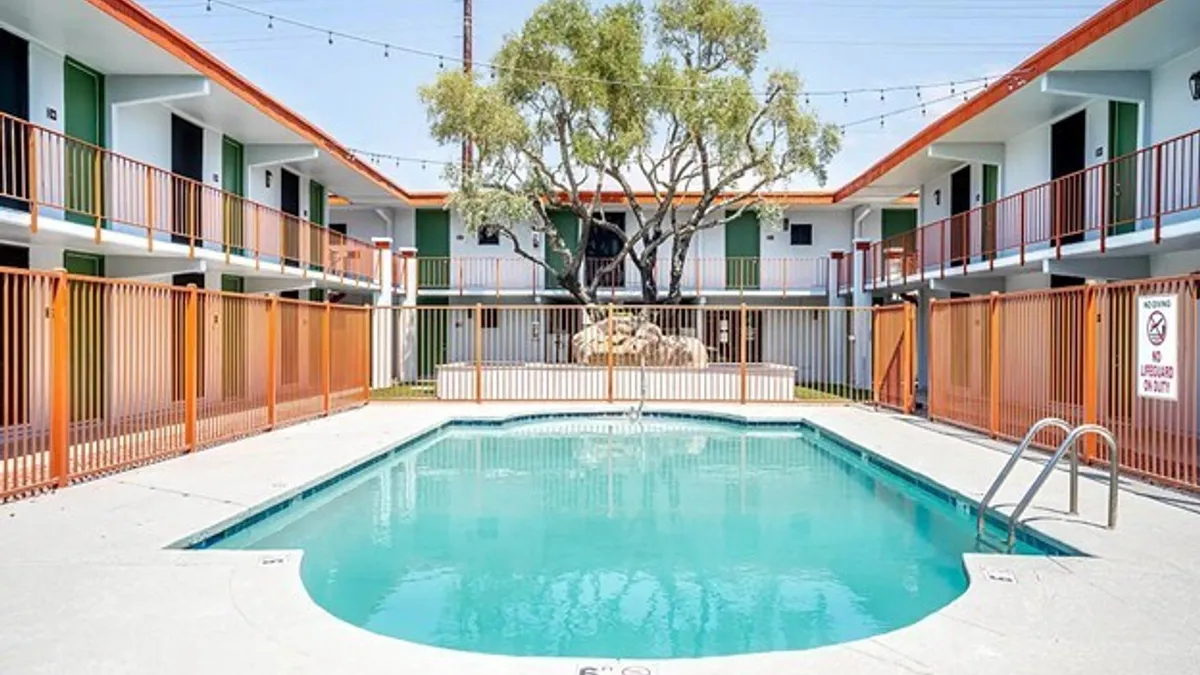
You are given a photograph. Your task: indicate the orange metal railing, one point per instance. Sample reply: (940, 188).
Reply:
(735, 353)
(477, 275)
(997, 364)
(1143, 190)
(45, 172)
(98, 375)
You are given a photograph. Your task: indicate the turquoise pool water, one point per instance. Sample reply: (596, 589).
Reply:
(595, 537)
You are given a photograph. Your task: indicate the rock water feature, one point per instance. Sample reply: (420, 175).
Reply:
(635, 339)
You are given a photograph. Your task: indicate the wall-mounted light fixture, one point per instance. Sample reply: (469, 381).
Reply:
(1194, 81)
(937, 197)
(535, 240)
(268, 174)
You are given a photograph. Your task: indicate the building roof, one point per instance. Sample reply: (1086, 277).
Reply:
(158, 32)
(1074, 41)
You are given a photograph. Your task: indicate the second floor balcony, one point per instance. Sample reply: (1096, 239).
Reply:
(1139, 198)
(514, 276)
(91, 191)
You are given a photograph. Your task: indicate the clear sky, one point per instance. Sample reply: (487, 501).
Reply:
(370, 102)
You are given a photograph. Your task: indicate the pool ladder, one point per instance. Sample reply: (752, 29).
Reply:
(635, 412)
(1069, 443)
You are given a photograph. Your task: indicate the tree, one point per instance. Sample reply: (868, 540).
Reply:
(581, 101)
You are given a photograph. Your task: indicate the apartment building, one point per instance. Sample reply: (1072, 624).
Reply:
(129, 152)
(1082, 164)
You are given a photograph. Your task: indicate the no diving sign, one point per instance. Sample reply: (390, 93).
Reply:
(1157, 361)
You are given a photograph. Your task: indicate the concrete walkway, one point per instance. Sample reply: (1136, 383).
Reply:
(86, 585)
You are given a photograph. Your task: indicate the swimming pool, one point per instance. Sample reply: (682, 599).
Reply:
(593, 536)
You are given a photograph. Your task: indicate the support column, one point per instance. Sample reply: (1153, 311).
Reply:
(861, 299)
(838, 322)
(924, 296)
(382, 336)
(405, 320)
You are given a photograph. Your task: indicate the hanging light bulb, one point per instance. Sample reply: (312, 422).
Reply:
(951, 88)
(330, 38)
(881, 121)
(918, 93)
(270, 22)
(922, 110)
(985, 83)
(845, 98)
(441, 64)
(422, 165)
(881, 96)
(806, 100)
(385, 52)
(208, 5)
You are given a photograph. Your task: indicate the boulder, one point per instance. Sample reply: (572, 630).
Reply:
(632, 340)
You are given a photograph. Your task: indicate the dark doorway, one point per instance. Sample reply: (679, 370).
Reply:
(723, 335)
(960, 220)
(1068, 193)
(14, 256)
(289, 203)
(562, 323)
(179, 322)
(14, 101)
(187, 163)
(14, 333)
(602, 246)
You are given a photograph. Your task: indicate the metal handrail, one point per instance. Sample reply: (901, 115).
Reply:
(1012, 461)
(1070, 442)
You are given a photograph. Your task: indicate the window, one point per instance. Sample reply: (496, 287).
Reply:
(801, 234)
(489, 235)
(340, 228)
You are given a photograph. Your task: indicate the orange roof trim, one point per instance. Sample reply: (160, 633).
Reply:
(1082, 36)
(152, 28)
(797, 198)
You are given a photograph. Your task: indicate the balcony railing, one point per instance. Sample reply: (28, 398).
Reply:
(463, 275)
(47, 173)
(1146, 190)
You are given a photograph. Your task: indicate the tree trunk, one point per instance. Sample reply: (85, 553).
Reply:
(569, 281)
(679, 251)
(649, 283)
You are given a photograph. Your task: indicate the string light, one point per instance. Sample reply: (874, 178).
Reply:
(385, 52)
(208, 5)
(918, 93)
(951, 88)
(881, 96)
(388, 47)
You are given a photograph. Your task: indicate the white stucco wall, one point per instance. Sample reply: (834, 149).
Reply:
(46, 87)
(143, 132)
(1175, 263)
(1172, 110)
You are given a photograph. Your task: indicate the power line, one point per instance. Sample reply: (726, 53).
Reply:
(388, 48)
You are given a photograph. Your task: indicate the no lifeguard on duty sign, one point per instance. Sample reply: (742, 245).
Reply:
(1157, 361)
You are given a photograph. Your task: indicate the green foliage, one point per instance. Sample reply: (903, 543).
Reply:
(618, 97)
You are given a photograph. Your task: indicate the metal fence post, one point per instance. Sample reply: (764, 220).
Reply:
(60, 381)
(908, 375)
(742, 353)
(326, 346)
(609, 352)
(272, 339)
(190, 368)
(478, 352)
(32, 177)
(1090, 374)
(994, 362)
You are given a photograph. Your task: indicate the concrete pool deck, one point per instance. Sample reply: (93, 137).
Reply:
(87, 585)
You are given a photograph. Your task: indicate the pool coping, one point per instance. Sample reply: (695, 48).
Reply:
(79, 594)
(209, 537)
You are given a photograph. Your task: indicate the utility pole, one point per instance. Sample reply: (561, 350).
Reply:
(467, 57)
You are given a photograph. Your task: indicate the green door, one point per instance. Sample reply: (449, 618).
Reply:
(233, 182)
(231, 283)
(991, 192)
(433, 248)
(567, 224)
(87, 313)
(1122, 143)
(316, 216)
(742, 242)
(234, 363)
(896, 222)
(83, 90)
(432, 323)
